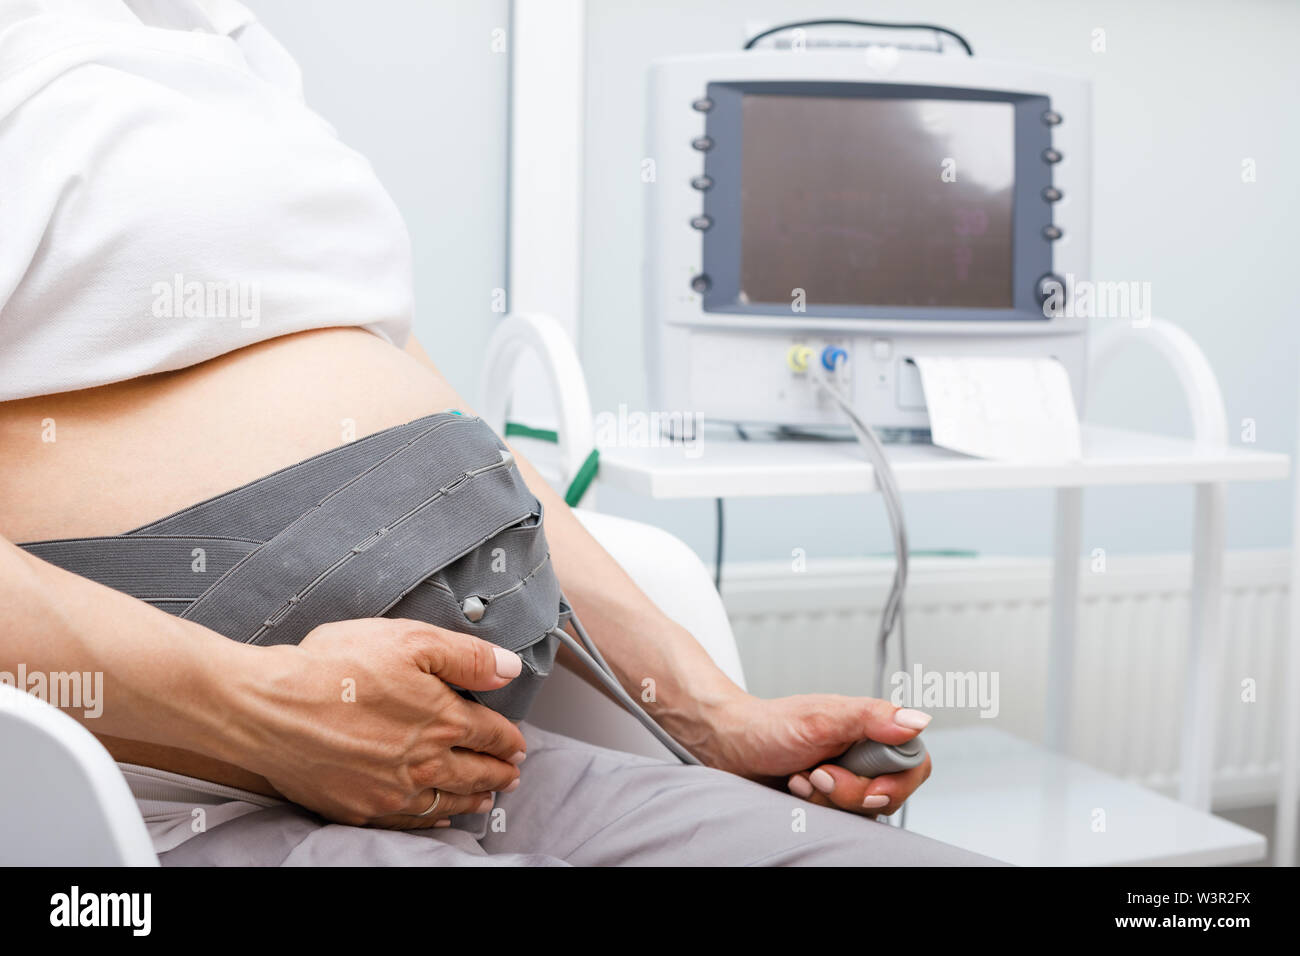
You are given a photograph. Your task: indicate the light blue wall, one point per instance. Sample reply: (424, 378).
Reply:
(1182, 94)
(416, 87)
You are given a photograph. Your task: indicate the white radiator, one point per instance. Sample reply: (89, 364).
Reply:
(814, 630)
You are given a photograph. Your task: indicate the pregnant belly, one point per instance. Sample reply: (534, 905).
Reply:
(102, 461)
(105, 460)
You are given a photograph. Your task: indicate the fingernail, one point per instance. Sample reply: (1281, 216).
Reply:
(874, 801)
(800, 787)
(442, 823)
(508, 662)
(518, 758)
(823, 781)
(484, 805)
(514, 785)
(911, 719)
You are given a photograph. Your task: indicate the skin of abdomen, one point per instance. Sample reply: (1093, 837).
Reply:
(104, 460)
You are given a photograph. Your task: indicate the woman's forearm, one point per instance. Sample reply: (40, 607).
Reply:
(691, 694)
(277, 714)
(161, 679)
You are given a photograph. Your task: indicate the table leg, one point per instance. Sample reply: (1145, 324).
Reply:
(1204, 649)
(1065, 617)
(1288, 689)
(1288, 797)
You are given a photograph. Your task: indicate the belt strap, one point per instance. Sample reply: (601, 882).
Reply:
(394, 524)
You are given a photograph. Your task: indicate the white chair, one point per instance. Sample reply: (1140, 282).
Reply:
(62, 800)
(64, 803)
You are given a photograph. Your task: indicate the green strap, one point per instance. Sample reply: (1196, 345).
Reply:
(583, 479)
(527, 431)
(586, 473)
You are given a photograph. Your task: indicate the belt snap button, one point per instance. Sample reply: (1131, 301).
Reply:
(473, 608)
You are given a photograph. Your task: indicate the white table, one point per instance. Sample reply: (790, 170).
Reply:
(728, 468)
(1038, 808)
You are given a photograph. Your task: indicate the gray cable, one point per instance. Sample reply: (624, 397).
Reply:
(892, 617)
(590, 645)
(611, 683)
(717, 548)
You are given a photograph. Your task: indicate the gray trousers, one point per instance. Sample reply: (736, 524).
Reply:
(583, 805)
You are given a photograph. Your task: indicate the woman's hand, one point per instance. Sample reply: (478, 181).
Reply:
(788, 741)
(358, 722)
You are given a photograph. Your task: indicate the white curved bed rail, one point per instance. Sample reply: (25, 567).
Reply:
(1183, 356)
(517, 336)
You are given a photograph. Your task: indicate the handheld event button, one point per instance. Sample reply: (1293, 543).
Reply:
(871, 758)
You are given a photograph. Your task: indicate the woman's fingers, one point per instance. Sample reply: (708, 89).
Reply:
(405, 731)
(489, 733)
(449, 805)
(833, 786)
(838, 787)
(467, 772)
(460, 659)
(897, 787)
(465, 783)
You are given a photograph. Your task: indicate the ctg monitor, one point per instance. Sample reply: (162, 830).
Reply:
(890, 205)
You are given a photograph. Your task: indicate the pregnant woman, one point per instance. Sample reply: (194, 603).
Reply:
(200, 286)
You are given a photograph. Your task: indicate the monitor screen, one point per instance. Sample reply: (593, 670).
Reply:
(876, 201)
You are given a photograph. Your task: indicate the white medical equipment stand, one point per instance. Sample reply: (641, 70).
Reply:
(1158, 830)
(1288, 794)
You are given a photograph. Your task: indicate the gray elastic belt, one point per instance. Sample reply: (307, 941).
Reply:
(427, 521)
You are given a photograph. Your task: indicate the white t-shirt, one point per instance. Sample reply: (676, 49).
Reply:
(166, 196)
